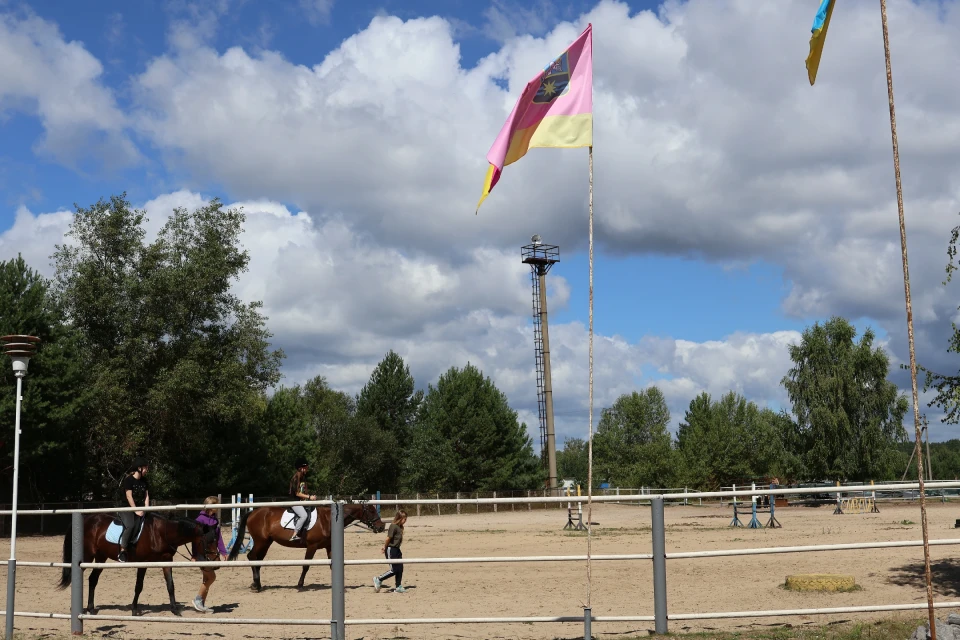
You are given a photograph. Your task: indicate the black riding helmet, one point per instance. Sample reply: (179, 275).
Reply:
(138, 463)
(301, 463)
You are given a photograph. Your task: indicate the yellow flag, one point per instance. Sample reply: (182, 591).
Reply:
(818, 36)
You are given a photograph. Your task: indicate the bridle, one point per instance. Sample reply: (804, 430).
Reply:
(368, 520)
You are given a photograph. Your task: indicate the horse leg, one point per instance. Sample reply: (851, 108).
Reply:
(135, 609)
(168, 576)
(258, 552)
(92, 583)
(309, 556)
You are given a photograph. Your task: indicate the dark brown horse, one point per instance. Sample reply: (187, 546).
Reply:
(158, 542)
(264, 526)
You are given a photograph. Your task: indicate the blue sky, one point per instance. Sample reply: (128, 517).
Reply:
(632, 294)
(687, 130)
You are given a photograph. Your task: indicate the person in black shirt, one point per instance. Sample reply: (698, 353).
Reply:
(135, 493)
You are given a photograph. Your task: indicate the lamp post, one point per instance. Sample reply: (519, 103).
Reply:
(20, 349)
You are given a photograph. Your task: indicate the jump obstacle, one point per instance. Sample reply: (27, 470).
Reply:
(857, 505)
(578, 525)
(772, 523)
(235, 522)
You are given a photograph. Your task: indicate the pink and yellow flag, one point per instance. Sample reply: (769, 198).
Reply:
(554, 110)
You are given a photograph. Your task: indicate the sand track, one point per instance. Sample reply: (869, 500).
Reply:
(887, 576)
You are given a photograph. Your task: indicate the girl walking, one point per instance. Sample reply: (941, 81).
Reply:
(391, 550)
(208, 517)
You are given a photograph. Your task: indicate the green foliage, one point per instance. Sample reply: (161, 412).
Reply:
(732, 440)
(178, 365)
(849, 416)
(468, 439)
(572, 461)
(390, 401)
(632, 446)
(53, 431)
(947, 386)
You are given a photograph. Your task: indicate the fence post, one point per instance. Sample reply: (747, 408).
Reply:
(76, 575)
(494, 504)
(587, 620)
(336, 565)
(529, 504)
(659, 565)
(418, 506)
(458, 504)
(378, 504)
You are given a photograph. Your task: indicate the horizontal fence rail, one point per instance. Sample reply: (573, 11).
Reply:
(338, 620)
(930, 486)
(766, 613)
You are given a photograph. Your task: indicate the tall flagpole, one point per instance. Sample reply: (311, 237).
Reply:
(906, 291)
(590, 433)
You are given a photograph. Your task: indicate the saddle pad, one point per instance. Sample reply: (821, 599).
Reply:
(116, 528)
(286, 520)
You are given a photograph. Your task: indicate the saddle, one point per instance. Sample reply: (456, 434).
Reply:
(289, 516)
(115, 530)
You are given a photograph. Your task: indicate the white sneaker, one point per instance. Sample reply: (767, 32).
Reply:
(376, 584)
(198, 605)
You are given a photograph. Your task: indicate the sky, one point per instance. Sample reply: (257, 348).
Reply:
(735, 205)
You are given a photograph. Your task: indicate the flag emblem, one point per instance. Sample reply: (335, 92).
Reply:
(556, 80)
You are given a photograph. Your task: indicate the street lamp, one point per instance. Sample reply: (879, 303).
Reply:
(20, 349)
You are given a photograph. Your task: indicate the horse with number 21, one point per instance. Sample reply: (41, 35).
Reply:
(272, 524)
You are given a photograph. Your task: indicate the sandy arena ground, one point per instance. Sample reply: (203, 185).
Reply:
(887, 576)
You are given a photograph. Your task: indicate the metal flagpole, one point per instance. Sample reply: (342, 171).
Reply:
(589, 609)
(906, 290)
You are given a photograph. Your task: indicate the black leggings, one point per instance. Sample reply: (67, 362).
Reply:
(393, 553)
(130, 522)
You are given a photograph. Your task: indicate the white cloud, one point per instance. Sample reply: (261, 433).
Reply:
(60, 82)
(317, 11)
(708, 142)
(337, 303)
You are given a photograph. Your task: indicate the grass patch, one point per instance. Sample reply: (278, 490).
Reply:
(892, 629)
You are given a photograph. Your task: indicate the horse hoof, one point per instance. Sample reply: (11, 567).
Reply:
(175, 610)
(256, 588)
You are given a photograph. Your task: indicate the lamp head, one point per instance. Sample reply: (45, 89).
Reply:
(536, 239)
(20, 348)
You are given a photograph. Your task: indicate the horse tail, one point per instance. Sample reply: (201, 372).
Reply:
(66, 573)
(241, 531)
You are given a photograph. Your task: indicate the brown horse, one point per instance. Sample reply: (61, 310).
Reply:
(158, 542)
(265, 529)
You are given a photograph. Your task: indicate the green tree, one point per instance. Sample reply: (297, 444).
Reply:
(572, 461)
(468, 438)
(849, 416)
(178, 364)
(391, 401)
(632, 446)
(947, 386)
(732, 440)
(53, 428)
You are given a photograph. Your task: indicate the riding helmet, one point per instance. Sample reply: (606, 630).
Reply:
(301, 463)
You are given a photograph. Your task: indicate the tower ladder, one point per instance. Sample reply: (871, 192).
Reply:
(538, 353)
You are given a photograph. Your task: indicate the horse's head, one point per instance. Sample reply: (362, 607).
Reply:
(368, 516)
(202, 539)
(206, 542)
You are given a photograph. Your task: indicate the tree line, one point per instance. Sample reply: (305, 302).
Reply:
(846, 424)
(147, 351)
